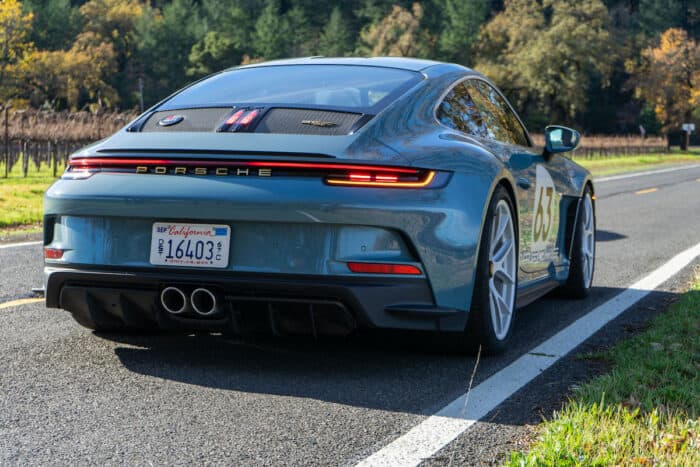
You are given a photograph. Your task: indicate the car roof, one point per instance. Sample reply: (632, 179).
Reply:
(411, 64)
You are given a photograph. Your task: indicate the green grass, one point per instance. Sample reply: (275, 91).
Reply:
(21, 198)
(646, 411)
(613, 165)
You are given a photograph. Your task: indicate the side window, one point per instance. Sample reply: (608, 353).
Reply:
(460, 112)
(500, 119)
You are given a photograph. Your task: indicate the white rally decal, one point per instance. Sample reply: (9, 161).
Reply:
(546, 209)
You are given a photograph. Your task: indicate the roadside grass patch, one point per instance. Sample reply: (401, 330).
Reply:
(645, 411)
(620, 164)
(21, 198)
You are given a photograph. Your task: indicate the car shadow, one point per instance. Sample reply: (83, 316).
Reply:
(607, 236)
(392, 371)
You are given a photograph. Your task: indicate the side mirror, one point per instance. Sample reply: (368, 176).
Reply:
(560, 139)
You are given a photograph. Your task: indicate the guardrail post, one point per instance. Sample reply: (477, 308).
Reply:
(52, 155)
(25, 159)
(7, 144)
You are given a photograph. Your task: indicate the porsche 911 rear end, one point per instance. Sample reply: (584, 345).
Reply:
(263, 208)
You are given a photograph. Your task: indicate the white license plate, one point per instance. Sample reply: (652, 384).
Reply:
(190, 245)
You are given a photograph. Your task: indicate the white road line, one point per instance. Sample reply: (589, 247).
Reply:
(438, 430)
(642, 174)
(17, 245)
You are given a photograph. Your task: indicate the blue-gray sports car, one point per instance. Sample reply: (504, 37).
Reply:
(318, 196)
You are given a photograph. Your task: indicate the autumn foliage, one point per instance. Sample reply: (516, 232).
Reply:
(668, 77)
(604, 66)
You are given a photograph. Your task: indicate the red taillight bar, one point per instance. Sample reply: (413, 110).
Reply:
(335, 174)
(106, 162)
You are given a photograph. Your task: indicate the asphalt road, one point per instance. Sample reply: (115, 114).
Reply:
(68, 395)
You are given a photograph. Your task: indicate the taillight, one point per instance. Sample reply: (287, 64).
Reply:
(418, 179)
(333, 174)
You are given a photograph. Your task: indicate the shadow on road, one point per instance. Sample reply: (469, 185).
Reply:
(607, 236)
(390, 371)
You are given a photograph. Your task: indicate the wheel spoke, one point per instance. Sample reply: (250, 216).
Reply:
(495, 312)
(504, 276)
(503, 221)
(503, 307)
(503, 251)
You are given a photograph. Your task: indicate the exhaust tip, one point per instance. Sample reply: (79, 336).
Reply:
(173, 300)
(203, 302)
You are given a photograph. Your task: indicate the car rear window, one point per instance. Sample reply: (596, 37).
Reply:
(332, 86)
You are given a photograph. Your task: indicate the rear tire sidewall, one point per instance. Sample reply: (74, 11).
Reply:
(576, 285)
(480, 328)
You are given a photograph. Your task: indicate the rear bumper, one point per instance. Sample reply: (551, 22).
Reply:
(286, 304)
(287, 226)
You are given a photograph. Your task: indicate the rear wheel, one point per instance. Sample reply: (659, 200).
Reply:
(582, 264)
(495, 286)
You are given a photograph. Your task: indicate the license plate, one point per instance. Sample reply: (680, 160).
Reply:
(190, 245)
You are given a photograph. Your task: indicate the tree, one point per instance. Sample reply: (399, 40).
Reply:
(462, 20)
(546, 53)
(214, 52)
(55, 25)
(164, 46)
(271, 32)
(667, 76)
(301, 41)
(335, 39)
(656, 16)
(398, 34)
(66, 79)
(14, 43)
(229, 27)
(116, 22)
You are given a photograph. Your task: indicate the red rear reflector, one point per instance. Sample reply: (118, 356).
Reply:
(383, 268)
(53, 253)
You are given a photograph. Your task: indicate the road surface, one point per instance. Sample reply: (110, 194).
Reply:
(68, 395)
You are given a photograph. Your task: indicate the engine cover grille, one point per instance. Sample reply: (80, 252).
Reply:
(205, 120)
(307, 122)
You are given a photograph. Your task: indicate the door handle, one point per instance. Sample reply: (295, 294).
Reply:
(523, 183)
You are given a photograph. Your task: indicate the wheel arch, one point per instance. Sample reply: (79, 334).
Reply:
(507, 183)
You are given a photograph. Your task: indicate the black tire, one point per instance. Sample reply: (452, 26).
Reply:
(578, 285)
(480, 328)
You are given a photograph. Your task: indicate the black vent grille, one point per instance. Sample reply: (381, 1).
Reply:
(194, 120)
(307, 122)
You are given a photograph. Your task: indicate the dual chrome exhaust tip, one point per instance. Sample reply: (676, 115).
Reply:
(202, 301)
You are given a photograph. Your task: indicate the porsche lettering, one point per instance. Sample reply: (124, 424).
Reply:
(220, 171)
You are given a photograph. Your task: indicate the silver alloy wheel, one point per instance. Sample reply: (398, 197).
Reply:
(588, 241)
(502, 265)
